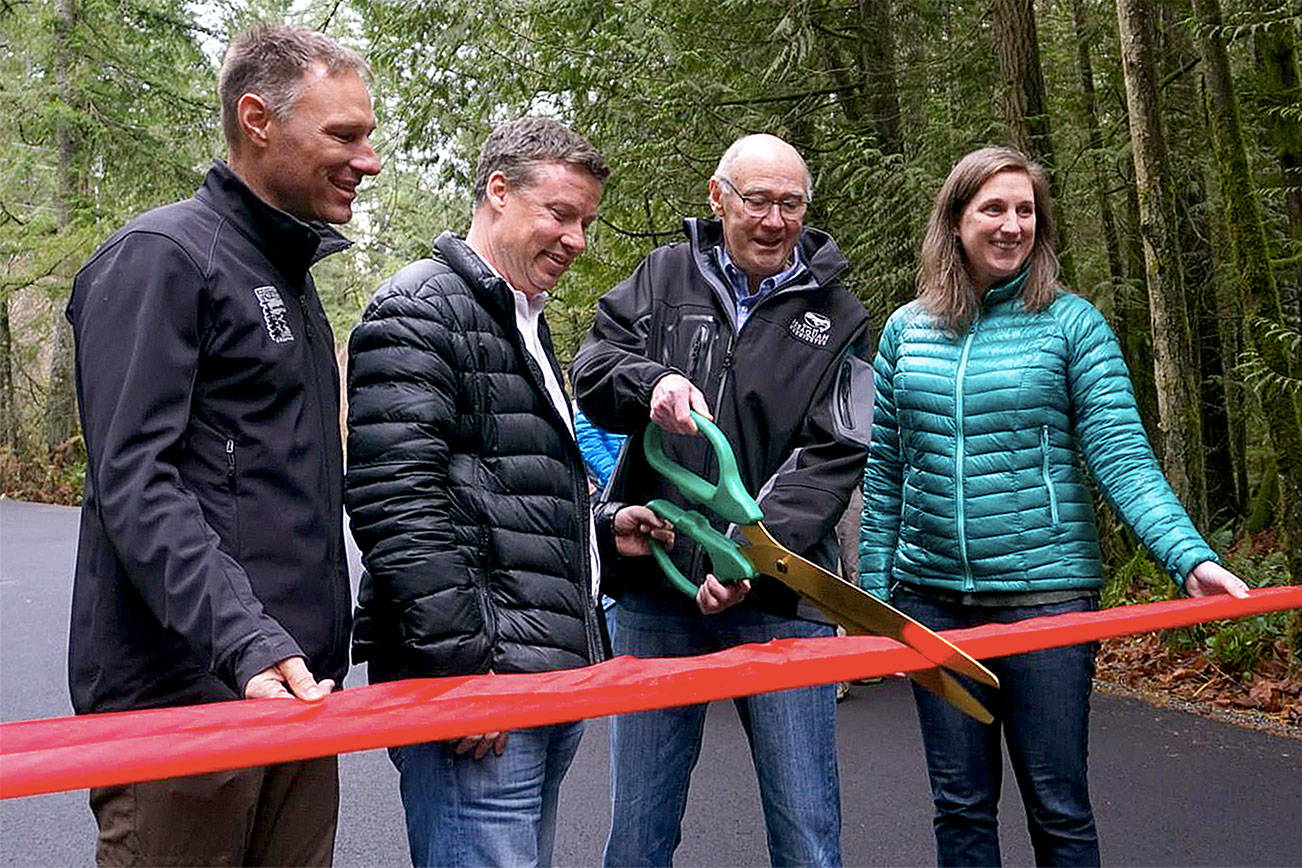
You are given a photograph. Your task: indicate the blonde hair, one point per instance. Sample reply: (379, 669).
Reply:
(945, 287)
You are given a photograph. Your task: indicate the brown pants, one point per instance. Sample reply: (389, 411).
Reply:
(274, 815)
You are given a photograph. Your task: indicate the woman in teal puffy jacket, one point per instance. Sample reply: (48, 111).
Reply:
(993, 388)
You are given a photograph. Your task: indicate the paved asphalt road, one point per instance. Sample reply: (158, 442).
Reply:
(1169, 788)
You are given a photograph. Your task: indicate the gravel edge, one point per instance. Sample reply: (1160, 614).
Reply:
(1246, 718)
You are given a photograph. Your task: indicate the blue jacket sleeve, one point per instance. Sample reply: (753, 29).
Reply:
(883, 476)
(599, 448)
(1115, 446)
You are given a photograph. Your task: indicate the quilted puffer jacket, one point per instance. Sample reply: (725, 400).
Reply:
(465, 487)
(974, 480)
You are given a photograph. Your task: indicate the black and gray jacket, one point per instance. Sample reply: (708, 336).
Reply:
(465, 488)
(792, 390)
(212, 517)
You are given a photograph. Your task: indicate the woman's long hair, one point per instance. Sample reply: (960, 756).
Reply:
(945, 287)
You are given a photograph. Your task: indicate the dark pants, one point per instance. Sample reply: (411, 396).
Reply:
(1042, 711)
(274, 815)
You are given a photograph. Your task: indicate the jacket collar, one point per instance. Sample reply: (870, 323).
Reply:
(1004, 291)
(291, 245)
(491, 290)
(823, 260)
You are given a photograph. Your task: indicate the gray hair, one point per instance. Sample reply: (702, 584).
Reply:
(517, 148)
(723, 172)
(271, 61)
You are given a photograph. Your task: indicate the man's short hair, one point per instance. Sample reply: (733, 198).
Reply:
(517, 148)
(271, 61)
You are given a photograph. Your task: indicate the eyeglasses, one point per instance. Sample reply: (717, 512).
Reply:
(791, 208)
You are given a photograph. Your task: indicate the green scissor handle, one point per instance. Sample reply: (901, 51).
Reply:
(726, 559)
(729, 498)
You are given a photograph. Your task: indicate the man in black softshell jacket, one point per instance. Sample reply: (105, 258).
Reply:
(211, 561)
(746, 322)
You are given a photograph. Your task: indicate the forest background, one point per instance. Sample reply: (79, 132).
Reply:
(1172, 130)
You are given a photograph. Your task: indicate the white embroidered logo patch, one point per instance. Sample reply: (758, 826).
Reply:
(812, 328)
(274, 314)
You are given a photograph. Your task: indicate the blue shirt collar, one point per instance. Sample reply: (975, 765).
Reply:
(745, 299)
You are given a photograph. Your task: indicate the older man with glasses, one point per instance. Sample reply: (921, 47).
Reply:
(748, 324)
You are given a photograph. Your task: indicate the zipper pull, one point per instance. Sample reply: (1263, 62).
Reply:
(307, 315)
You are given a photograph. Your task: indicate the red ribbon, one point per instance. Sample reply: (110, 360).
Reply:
(43, 756)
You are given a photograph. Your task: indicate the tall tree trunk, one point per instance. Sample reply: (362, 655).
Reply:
(1252, 261)
(877, 62)
(61, 404)
(1021, 80)
(8, 404)
(1089, 108)
(1173, 362)
(1135, 329)
(1025, 113)
(869, 98)
(1227, 302)
(1199, 234)
(1280, 93)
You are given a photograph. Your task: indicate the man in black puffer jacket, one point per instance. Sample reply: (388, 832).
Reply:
(468, 495)
(748, 320)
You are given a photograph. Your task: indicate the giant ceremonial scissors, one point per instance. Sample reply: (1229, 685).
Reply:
(850, 606)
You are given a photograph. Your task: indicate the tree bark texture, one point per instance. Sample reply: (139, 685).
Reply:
(1280, 93)
(867, 91)
(1089, 109)
(1026, 116)
(877, 60)
(1252, 265)
(8, 403)
(1179, 418)
(1021, 80)
(61, 403)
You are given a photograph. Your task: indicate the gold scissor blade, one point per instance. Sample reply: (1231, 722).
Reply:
(947, 687)
(854, 608)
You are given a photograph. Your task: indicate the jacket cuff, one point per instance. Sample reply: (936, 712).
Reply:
(651, 387)
(260, 654)
(603, 515)
(1186, 561)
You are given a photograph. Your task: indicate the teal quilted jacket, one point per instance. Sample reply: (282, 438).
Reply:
(974, 480)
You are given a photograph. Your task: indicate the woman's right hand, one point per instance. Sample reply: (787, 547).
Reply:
(1210, 578)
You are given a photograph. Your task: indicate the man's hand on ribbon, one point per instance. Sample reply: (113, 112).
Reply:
(288, 679)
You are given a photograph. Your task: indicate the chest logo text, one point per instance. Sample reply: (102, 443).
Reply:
(812, 328)
(274, 314)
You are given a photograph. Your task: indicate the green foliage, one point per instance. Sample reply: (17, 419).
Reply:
(1138, 580)
(1237, 647)
(109, 110)
(1257, 372)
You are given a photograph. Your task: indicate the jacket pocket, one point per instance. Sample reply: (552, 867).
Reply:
(210, 469)
(1048, 478)
(481, 574)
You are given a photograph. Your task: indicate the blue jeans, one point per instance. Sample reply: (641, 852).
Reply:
(792, 736)
(499, 810)
(1042, 709)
